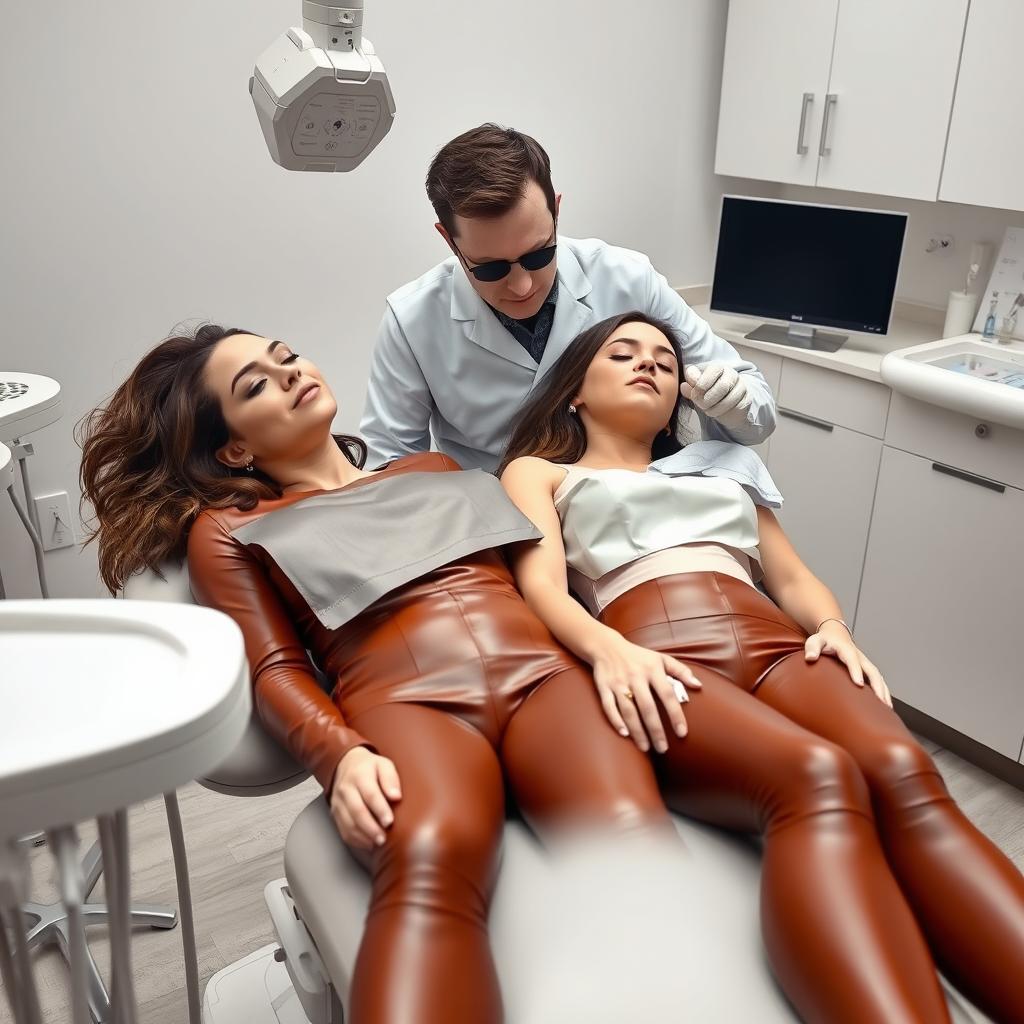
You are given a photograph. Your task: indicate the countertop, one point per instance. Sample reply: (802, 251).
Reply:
(861, 355)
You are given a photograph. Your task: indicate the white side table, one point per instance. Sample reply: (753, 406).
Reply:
(165, 691)
(28, 402)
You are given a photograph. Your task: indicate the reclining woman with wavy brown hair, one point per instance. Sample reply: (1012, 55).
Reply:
(792, 734)
(445, 686)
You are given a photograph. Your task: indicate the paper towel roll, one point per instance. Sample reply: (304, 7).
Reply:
(959, 314)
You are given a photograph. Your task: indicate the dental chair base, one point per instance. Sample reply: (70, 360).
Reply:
(278, 984)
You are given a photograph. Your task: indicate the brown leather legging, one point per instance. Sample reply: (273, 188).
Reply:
(864, 849)
(456, 681)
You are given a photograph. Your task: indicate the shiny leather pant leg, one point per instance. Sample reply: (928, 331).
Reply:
(840, 937)
(425, 956)
(567, 767)
(967, 895)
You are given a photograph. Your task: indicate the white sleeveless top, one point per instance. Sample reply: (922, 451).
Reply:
(621, 528)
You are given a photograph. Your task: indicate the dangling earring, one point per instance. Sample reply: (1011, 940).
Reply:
(572, 409)
(248, 464)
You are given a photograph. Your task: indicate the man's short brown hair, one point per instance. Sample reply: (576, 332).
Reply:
(485, 172)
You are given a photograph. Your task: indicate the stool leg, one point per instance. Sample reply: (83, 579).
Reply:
(114, 841)
(8, 974)
(64, 847)
(188, 931)
(24, 997)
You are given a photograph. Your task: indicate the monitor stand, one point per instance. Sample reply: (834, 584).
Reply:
(799, 336)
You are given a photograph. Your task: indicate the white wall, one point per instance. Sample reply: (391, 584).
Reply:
(136, 190)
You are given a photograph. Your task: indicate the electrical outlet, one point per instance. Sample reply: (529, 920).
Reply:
(53, 513)
(939, 243)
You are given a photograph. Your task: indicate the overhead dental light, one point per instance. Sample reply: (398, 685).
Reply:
(321, 94)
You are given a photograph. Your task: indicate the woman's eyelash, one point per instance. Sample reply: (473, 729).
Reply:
(259, 385)
(622, 355)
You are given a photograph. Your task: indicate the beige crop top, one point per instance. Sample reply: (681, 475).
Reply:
(621, 528)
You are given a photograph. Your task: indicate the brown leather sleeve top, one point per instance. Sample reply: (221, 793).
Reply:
(288, 698)
(233, 568)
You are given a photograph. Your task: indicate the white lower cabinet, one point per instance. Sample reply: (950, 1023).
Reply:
(942, 600)
(827, 476)
(770, 366)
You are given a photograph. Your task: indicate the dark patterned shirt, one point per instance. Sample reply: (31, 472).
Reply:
(533, 332)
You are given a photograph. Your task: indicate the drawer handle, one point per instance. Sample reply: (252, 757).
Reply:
(809, 420)
(969, 477)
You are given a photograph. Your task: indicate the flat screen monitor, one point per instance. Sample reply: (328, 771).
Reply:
(808, 264)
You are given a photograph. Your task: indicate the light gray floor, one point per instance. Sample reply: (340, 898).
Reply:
(235, 848)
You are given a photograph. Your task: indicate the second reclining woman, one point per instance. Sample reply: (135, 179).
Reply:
(665, 546)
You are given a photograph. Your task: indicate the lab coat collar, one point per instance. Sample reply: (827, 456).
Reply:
(484, 329)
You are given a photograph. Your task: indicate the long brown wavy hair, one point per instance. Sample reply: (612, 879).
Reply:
(149, 459)
(544, 427)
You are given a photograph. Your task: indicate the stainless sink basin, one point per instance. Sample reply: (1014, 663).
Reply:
(967, 374)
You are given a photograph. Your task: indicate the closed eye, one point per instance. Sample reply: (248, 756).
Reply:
(258, 387)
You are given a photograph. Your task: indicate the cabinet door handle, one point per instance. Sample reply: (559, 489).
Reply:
(969, 477)
(809, 420)
(831, 99)
(801, 143)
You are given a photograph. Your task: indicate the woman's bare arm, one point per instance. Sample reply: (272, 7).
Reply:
(802, 596)
(792, 586)
(540, 568)
(628, 677)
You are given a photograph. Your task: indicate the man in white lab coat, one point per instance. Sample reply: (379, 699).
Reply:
(460, 348)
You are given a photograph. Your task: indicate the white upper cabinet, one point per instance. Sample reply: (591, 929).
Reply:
(871, 82)
(985, 155)
(893, 74)
(777, 58)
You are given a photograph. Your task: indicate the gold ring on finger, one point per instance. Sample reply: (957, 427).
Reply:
(628, 694)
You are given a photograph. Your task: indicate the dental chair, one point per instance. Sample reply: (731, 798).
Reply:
(318, 908)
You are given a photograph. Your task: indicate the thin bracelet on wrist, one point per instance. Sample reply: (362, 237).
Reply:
(832, 618)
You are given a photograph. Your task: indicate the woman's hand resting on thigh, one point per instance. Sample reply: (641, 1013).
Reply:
(365, 786)
(631, 679)
(833, 639)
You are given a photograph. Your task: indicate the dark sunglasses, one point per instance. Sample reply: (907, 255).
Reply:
(495, 270)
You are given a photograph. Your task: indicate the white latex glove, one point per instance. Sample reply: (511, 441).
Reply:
(718, 391)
